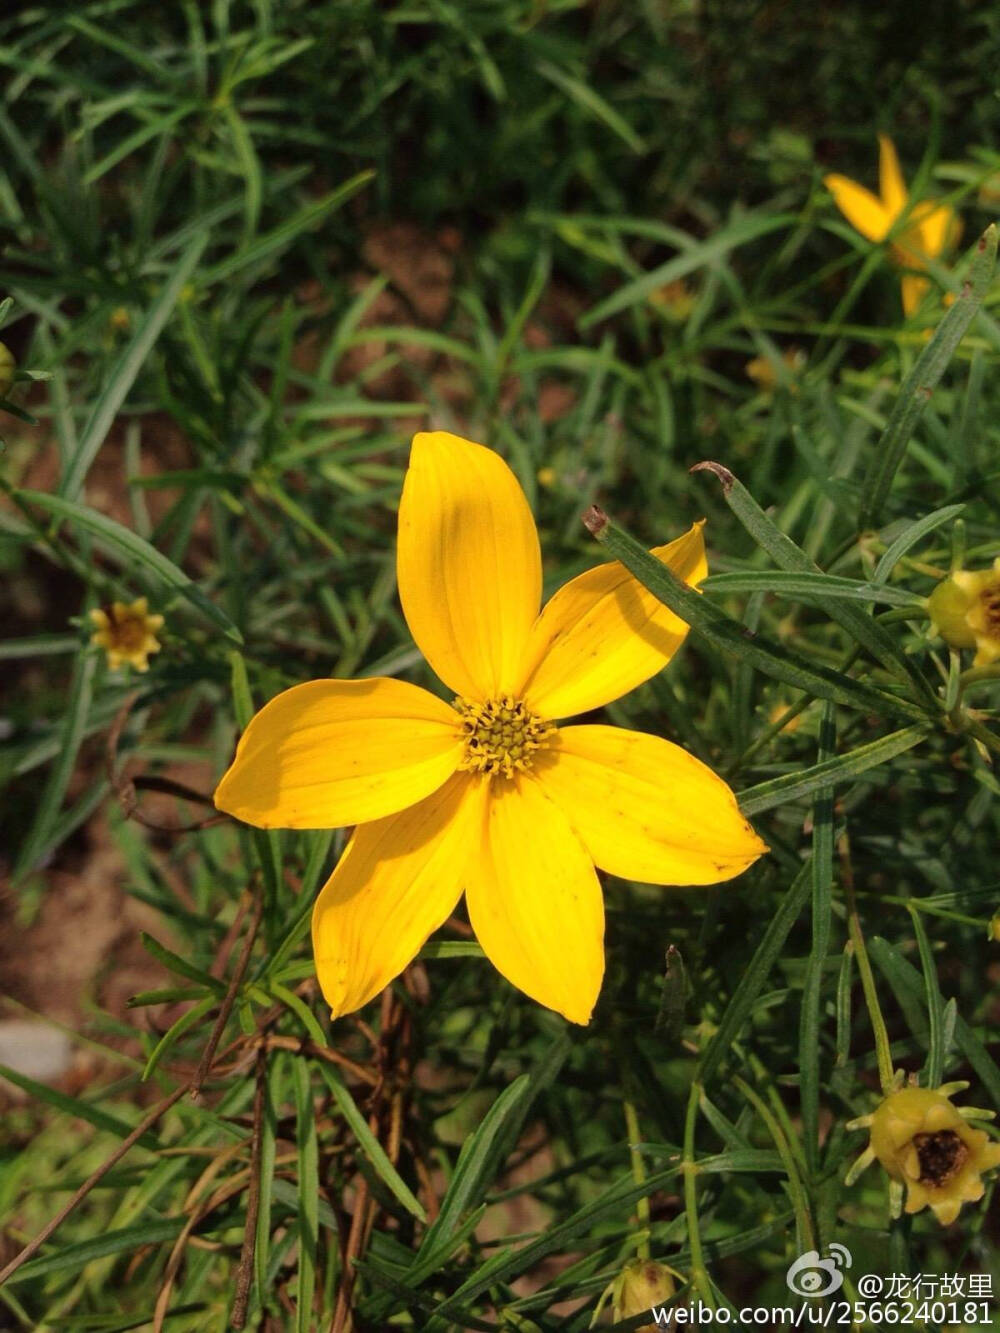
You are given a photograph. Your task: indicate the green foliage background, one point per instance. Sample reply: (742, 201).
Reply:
(189, 195)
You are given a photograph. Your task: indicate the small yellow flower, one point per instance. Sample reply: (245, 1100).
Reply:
(641, 1285)
(965, 611)
(931, 227)
(993, 931)
(486, 795)
(764, 374)
(127, 632)
(926, 1143)
(8, 365)
(547, 476)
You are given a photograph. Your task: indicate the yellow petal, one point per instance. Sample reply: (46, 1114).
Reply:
(469, 566)
(603, 633)
(913, 292)
(646, 809)
(399, 879)
(939, 229)
(863, 211)
(535, 901)
(892, 187)
(336, 752)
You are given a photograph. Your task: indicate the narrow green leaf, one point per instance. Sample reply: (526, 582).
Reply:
(752, 981)
(174, 963)
(815, 587)
(730, 637)
(72, 733)
(933, 1073)
(74, 1106)
(369, 1144)
(699, 255)
(264, 247)
(308, 1180)
(910, 989)
(783, 551)
(129, 364)
(590, 101)
(806, 782)
(922, 379)
(132, 549)
(125, 1240)
(910, 536)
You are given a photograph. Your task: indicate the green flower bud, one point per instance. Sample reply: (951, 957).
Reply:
(641, 1285)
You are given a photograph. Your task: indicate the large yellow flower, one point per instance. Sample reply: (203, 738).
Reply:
(930, 229)
(486, 795)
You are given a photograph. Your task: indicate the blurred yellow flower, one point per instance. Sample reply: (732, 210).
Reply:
(675, 299)
(926, 1143)
(127, 633)
(487, 795)
(965, 611)
(764, 374)
(931, 228)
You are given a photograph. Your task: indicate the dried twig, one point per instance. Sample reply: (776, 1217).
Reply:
(208, 1054)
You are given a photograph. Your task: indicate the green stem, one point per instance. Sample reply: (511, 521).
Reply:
(639, 1176)
(881, 1034)
(689, 1167)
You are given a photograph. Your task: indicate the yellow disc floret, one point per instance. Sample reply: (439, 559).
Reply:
(501, 736)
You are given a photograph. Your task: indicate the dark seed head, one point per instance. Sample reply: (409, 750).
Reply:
(941, 1155)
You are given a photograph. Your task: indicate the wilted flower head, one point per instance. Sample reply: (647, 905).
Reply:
(965, 611)
(127, 633)
(926, 1143)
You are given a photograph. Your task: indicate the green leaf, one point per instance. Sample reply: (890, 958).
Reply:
(910, 989)
(132, 549)
(922, 379)
(308, 1181)
(814, 587)
(75, 1107)
(72, 733)
(751, 983)
(590, 101)
(808, 781)
(369, 1144)
(262, 249)
(701, 254)
(730, 637)
(126, 369)
(783, 551)
(125, 1240)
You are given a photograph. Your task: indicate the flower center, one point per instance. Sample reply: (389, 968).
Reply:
(941, 1155)
(127, 631)
(989, 600)
(501, 736)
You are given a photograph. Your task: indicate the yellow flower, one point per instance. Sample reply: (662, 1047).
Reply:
(926, 1143)
(127, 632)
(930, 229)
(486, 795)
(965, 611)
(8, 365)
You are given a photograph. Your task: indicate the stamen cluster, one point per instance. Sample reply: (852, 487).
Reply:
(501, 736)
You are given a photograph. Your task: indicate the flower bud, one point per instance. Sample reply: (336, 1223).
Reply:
(965, 610)
(7, 368)
(641, 1285)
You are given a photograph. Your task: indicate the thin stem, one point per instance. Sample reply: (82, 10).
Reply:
(639, 1176)
(699, 1273)
(881, 1034)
